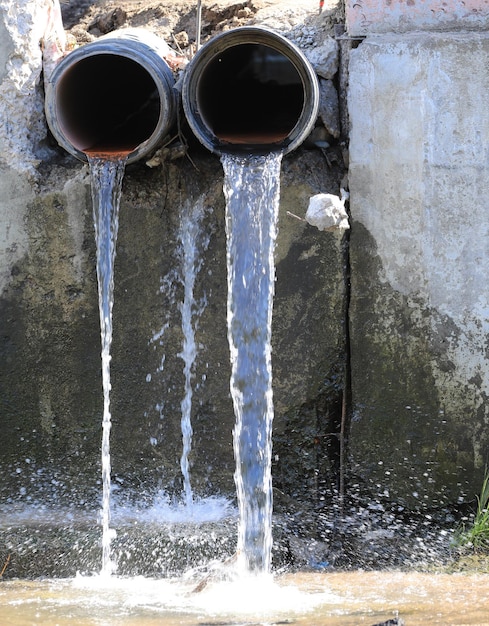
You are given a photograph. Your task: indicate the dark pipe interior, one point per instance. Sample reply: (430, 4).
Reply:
(250, 94)
(107, 103)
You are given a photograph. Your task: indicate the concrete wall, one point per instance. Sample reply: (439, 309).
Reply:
(50, 366)
(419, 312)
(366, 17)
(419, 183)
(22, 128)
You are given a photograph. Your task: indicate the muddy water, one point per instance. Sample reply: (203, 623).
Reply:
(346, 599)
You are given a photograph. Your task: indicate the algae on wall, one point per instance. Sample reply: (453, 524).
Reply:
(49, 371)
(52, 342)
(406, 446)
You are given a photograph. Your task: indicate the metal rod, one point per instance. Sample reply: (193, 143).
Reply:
(198, 26)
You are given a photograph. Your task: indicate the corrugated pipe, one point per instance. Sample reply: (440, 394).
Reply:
(250, 90)
(113, 95)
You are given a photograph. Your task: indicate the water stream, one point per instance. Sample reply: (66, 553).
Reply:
(192, 241)
(252, 189)
(106, 175)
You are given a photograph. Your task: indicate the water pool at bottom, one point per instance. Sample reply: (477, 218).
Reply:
(304, 599)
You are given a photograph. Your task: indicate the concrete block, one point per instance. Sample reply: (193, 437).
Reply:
(25, 29)
(366, 17)
(419, 181)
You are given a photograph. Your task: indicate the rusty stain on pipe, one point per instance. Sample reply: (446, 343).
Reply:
(250, 89)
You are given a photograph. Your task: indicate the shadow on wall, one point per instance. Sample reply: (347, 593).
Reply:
(414, 422)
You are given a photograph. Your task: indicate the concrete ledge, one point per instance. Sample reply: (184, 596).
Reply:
(366, 17)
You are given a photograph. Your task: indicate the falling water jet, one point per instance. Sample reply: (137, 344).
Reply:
(252, 190)
(95, 117)
(192, 240)
(251, 96)
(106, 176)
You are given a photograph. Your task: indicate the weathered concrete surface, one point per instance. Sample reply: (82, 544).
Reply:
(419, 182)
(24, 28)
(50, 342)
(365, 17)
(50, 366)
(22, 129)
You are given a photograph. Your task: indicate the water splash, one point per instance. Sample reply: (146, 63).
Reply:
(106, 175)
(252, 189)
(167, 288)
(163, 509)
(192, 241)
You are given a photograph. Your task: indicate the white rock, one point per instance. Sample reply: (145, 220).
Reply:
(25, 27)
(324, 58)
(329, 109)
(327, 211)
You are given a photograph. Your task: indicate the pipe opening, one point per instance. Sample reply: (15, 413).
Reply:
(107, 103)
(114, 95)
(250, 90)
(242, 91)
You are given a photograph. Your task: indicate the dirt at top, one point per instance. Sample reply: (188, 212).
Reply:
(176, 20)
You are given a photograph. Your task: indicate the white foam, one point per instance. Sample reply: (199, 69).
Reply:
(164, 510)
(257, 596)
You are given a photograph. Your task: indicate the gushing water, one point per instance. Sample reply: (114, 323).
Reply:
(106, 174)
(252, 189)
(192, 240)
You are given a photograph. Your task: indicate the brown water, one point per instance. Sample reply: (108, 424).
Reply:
(336, 599)
(261, 138)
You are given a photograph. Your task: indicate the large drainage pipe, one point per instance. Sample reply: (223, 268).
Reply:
(113, 95)
(250, 90)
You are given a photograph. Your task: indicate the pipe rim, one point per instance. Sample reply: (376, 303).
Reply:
(119, 46)
(267, 37)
